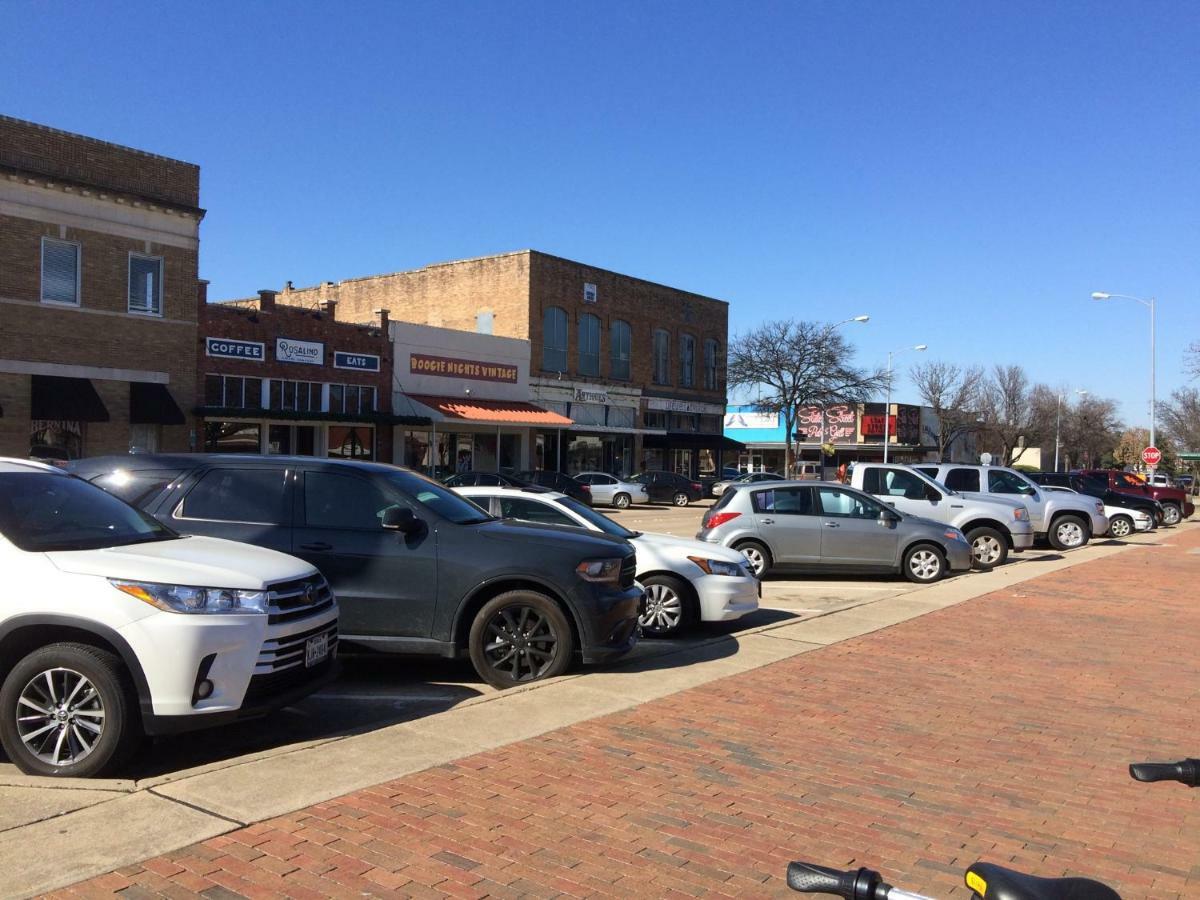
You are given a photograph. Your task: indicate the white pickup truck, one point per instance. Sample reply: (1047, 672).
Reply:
(993, 525)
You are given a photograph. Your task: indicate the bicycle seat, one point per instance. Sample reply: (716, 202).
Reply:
(994, 882)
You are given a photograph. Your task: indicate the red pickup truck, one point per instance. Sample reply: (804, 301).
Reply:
(1175, 502)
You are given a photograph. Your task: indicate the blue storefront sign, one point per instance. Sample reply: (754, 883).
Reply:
(360, 362)
(255, 351)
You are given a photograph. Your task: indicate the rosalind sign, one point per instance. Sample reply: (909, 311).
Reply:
(311, 353)
(448, 367)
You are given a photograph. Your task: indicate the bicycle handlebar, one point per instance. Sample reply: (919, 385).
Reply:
(1186, 771)
(856, 884)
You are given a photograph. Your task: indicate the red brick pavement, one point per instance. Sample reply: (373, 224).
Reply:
(998, 729)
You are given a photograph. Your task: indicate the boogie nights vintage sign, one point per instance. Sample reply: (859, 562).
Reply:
(448, 367)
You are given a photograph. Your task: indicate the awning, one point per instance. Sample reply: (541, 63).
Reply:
(152, 404)
(690, 440)
(490, 412)
(57, 399)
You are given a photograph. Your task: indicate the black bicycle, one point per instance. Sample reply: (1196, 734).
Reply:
(987, 880)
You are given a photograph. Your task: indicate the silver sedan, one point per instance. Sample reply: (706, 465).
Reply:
(611, 491)
(749, 478)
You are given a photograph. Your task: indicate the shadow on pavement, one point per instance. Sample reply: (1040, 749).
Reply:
(1042, 557)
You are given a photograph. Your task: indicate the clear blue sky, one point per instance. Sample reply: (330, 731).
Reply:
(965, 173)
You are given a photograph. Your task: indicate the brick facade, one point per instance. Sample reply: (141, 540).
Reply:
(112, 202)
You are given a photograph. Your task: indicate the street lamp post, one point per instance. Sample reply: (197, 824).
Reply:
(1149, 304)
(1058, 423)
(821, 442)
(887, 407)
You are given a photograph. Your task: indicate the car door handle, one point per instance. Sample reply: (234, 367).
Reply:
(890, 502)
(767, 521)
(832, 525)
(956, 506)
(318, 545)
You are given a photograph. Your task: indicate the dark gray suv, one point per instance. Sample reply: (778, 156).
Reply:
(415, 567)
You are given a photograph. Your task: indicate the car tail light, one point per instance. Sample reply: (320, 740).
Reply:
(696, 487)
(587, 488)
(712, 520)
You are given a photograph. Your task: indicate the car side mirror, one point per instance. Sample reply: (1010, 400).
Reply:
(932, 493)
(402, 519)
(887, 518)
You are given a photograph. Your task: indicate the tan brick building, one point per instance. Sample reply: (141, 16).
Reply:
(98, 277)
(639, 367)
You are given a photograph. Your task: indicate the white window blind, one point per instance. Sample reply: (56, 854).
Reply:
(60, 272)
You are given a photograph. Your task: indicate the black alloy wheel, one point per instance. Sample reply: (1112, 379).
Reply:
(520, 637)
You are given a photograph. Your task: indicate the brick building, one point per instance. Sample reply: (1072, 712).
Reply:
(98, 272)
(287, 379)
(638, 367)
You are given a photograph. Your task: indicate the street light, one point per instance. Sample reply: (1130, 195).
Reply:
(1058, 422)
(887, 407)
(1149, 304)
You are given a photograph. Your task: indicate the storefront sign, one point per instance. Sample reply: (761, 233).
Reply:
(872, 426)
(361, 362)
(255, 351)
(311, 353)
(762, 420)
(590, 395)
(448, 367)
(840, 421)
(684, 406)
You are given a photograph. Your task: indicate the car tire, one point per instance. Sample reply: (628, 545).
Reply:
(924, 564)
(989, 548)
(670, 607)
(622, 501)
(757, 555)
(1067, 533)
(69, 710)
(680, 499)
(1120, 526)
(1172, 514)
(520, 637)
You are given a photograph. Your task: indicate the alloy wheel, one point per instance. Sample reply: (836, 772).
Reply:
(621, 501)
(1120, 527)
(521, 643)
(681, 499)
(1070, 534)
(924, 564)
(60, 716)
(986, 550)
(1171, 514)
(664, 609)
(755, 557)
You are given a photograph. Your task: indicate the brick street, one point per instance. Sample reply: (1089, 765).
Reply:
(1000, 728)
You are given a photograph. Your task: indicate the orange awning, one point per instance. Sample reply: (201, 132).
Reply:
(493, 412)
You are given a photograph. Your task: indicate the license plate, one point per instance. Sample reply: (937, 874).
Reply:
(316, 649)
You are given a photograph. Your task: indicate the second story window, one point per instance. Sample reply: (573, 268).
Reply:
(662, 357)
(233, 392)
(554, 340)
(60, 272)
(353, 399)
(710, 365)
(298, 396)
(589, 345)
(145, 284)
(687, 360)
(619, 346)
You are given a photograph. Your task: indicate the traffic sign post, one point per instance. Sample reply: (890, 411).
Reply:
(1152, 456)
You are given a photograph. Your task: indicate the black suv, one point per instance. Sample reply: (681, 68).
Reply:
(1098, 488)
(415, 567)
(483, 479)
(669, 487)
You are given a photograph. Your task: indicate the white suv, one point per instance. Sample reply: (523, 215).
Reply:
(114, 626)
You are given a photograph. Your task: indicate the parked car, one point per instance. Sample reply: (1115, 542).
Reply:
(749, 478)
(686, 581)
(556, 481)
(55, 456)
(114, 626)
(994, 525)
(472, 478)
(669, 487)
(1186, 483)
(1099, 489)
(417, 568)
(1065, 521)
(1176, 505)
(1122, 520)
(708, 479)
(612, 491)
(1160, 479)
(832, 527)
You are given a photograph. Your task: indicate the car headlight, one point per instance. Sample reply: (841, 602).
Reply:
(953, 534)
(601, 570)
(1020, 514)
(718, 567)
(1099, 509)
(181, 598)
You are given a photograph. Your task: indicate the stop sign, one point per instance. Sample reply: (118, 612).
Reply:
(1152, 456)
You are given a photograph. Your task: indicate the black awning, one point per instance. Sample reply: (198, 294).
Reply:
(690, 440)
(152, 404)
(57, 399)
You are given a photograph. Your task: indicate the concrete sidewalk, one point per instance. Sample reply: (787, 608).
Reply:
(840, 754)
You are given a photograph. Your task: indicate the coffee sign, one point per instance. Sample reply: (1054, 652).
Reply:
(227, 348)
(449, 367)
(310, 353)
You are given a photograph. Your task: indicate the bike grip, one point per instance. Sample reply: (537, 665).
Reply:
(1186, 771)
(813, 879)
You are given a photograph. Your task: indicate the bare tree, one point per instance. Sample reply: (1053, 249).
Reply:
(1191, 359)
(798, 364)
(954, 394)
(1180, 417)
(1091, 429)
(1013, 415)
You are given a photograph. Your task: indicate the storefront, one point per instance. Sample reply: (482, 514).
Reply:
(690, 442)
(602, 432)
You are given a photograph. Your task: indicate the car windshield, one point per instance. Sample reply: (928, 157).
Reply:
(437, 498)
(40, 512)
(1129, 480)
(604, 523)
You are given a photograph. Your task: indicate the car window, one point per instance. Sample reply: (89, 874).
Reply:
(238, 495)
(604, 479)
(839, 503)
(931, 471)
(137, 487)
(898, 483)
(586, 479)
(962, 479)
(604, 523)
(784, 501)
(1095, 482)
(534, 511)
(1126, 480)
(1001, 482)
(332, 500)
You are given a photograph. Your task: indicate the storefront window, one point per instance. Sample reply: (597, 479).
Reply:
(589, 345)
(416, 450)
(232, 437)
(352, 441)
(510, 451)
(655, 419)
(296, 440)
(619, 347)
(298, 396)
(611, 453)
(708, 462)
(55, 441)
(681, 462)
(545, 451)
(484, 459)
(233, 391)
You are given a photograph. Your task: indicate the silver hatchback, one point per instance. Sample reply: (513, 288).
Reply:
(831, 527)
